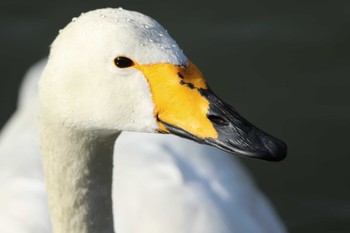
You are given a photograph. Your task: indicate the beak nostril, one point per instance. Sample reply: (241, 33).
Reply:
(217, 120)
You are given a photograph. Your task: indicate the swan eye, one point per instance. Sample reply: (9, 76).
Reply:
(123, 62)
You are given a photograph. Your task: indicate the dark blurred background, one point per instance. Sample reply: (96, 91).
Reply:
(283, 64)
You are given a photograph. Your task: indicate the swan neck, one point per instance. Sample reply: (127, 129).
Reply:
(78, 172)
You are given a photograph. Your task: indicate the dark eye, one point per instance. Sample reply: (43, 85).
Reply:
(123, 62)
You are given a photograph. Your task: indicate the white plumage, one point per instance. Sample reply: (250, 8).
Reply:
(164, 184)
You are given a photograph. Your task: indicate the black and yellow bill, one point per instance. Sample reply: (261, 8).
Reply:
(185, 106)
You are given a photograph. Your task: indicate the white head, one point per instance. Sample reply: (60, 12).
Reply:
(84, 84)
(155, 88)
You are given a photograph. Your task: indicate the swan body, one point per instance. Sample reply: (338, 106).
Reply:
(186, 187)
(23, 200)
(78, 127)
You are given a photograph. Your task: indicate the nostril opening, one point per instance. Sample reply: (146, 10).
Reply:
(217, 120)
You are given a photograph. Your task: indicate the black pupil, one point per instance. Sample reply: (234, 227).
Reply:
(123, 62)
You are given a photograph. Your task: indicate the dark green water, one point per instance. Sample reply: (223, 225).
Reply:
(283, 64)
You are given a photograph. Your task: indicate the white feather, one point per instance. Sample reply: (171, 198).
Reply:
(165, 184)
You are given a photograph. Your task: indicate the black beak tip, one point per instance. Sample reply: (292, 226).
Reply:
(276, 151)
(271, 148)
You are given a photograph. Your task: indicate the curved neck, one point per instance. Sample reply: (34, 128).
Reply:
(78, 174)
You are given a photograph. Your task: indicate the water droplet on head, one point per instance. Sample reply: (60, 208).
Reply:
(174, 45)
(162, 47)
(132, 120)
(103, 16)
(74, 19)
(60, 31)
(160, 34)
(120, 8)
(146, 26)
(142, 44)
(150, 40)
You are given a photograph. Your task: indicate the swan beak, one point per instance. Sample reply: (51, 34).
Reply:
(185, 106)
(237, 135)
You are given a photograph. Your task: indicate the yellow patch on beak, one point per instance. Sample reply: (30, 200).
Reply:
(177, 99)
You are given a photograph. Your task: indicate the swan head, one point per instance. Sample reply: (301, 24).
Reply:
(115, 70)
